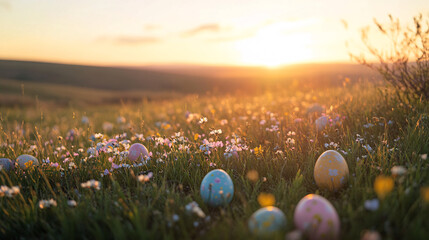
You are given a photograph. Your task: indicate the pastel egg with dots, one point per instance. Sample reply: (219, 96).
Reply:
(137, 151)
(25, 161)
(267, 222)
(317, 218)
(217, 188)
(6, 164)
(331, 171)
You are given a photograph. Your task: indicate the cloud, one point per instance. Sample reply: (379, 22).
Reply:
(136, 40)
(130, 40)
(4, 4)
(151, 27)
(211, 27)
(233, 37)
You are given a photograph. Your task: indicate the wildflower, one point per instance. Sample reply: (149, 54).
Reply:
(424, 192)
(72, 203)
(145, 178)
(107, 126)
(55, 165)
(424, 156)
(196, 136)
(106, 172)
(223, 122)
(252, 175)
(193, 208)
(372, 205)
(383, 185)
(266, 199)
(202, 120)
(294, 235)
(9, 191)
(216, 132)
(175, 217)
(371, 235)
(398, 171)
(47, 203)
(120, 120)
(258, 150)
(91, 184)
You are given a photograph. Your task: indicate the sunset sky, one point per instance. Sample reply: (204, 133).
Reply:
(219, 32)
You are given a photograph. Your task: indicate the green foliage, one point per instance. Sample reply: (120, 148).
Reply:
(126, 208)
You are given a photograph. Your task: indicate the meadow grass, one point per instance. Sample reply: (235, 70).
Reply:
(272, 134)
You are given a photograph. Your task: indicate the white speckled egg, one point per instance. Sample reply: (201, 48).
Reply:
(317, 218)
(267, 221)
(331, 171)
(137, 152)
(23, 159)
(6, 164)
(217, 188)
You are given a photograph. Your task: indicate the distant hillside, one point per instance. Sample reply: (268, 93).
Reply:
(305, 72)
(21, 82)
(108, 78)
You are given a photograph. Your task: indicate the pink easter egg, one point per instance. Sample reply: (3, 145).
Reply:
(317, 218)
(137, 151)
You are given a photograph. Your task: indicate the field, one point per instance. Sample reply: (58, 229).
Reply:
(276, 142)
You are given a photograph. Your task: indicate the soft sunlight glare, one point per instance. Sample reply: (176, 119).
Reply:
(275, 45)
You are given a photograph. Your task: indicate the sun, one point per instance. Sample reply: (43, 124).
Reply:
(273, 46)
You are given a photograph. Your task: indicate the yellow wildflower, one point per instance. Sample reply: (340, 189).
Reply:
(383, 185)
(258, 150)
(266, 199)
(252, 175)
(424, 192)
(196, 136)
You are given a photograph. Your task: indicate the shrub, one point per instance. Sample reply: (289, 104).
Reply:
(403, 61)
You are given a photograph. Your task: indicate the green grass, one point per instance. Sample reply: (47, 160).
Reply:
(125, 208)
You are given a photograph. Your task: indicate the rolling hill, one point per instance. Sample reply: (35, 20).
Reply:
(23, 82)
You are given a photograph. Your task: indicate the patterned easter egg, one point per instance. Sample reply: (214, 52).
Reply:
(6, 164)
(137, 152)
(317, 218)
(267, 221)
(217, 188)
(23, 161)
(331, 171)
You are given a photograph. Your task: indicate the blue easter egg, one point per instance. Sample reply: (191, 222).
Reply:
(217, 188)
(267, 221)
(6, 164)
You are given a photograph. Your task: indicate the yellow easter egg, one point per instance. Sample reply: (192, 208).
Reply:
(331, 171)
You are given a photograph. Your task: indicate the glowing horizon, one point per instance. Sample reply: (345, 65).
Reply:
(240, 33)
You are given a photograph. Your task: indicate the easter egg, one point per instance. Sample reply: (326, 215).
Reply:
(85, 120)
(23, 161)
(321, 122)
(267, 221)
(331, 171)
(6, 164)
(315, 108)
(217, 188)
(317, 218)
(137, 152)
